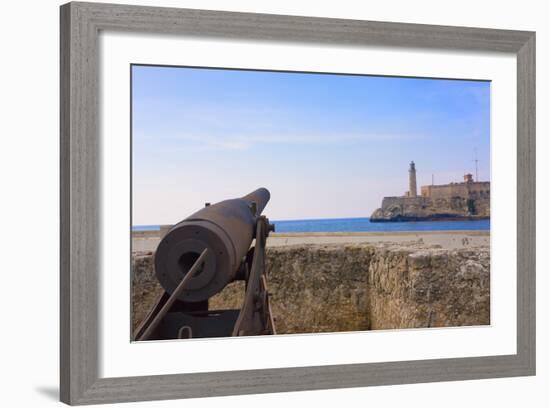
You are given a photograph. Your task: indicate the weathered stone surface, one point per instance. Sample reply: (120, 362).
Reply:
(428, 209)
(327, 288)
(145, 287)
(319, 288)
(430, 288)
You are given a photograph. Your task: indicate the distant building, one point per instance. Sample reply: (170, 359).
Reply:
(454, 201)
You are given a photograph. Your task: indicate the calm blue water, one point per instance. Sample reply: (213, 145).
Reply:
(361, 225)
(145, 227)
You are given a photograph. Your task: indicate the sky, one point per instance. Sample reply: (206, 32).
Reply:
(325, 145)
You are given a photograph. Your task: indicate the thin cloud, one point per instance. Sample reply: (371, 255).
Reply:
(243, 142)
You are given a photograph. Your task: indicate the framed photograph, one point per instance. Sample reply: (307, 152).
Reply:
(259, 203)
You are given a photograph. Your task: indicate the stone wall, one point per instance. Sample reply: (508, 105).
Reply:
(429, 288)
(426, 208)
(352, 287)
(450, 201)
(464, 190)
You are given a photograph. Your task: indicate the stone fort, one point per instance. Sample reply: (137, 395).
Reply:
(466, 200)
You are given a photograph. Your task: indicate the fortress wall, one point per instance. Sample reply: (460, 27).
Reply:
(430, 288)
(405, 202)
(449, 204)
(390, 201)
(327, 288)
(447, 191)
(480, 190)
(442, 195)
(483, 206)
(464, 190)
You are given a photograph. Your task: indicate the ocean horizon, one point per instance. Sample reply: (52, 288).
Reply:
(361, 225)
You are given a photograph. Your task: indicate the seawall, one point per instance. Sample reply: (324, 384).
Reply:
(351, 287)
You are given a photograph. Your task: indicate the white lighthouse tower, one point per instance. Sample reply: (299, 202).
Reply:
(412, 180)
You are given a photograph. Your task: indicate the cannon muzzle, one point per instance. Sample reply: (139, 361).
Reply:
(226, 229)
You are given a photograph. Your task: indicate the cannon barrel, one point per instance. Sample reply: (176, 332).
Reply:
(226, 228)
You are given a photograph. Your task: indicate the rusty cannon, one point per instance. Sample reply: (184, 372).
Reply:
(198, 258)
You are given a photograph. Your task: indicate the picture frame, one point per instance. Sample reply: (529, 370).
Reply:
(80, 235)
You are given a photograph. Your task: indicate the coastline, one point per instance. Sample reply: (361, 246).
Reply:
(433, 217)
(147, 241)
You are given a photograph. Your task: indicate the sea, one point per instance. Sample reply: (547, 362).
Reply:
(362, 225)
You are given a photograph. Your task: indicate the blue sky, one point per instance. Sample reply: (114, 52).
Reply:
(326, 146)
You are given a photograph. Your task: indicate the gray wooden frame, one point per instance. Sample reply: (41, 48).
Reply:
(80, 189)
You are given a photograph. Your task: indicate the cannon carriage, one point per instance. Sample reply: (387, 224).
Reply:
(198, 258)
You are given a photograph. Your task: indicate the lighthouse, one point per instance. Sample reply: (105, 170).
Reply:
(412, 180)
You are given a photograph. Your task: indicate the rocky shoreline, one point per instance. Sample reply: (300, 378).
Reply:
(376, 217)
